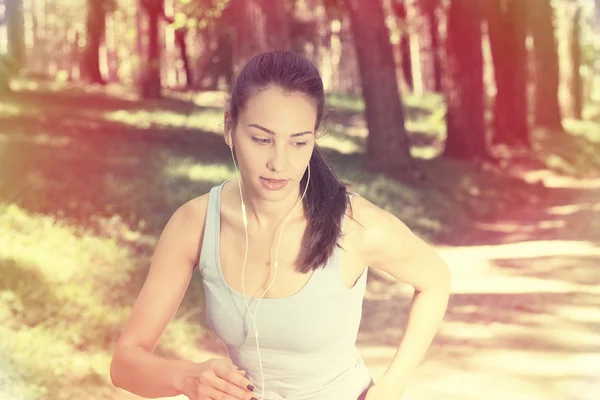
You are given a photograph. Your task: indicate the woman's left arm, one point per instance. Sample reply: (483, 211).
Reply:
(387, 244)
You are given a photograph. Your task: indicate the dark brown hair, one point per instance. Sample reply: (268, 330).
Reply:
(326, 196)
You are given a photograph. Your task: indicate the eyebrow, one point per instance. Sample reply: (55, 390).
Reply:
(270, 132)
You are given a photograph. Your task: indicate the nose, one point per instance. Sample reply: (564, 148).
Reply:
(278, 160)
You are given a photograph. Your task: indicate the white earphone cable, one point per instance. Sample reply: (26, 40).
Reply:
(245, 221)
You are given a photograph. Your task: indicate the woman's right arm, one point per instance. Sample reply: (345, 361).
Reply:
(134, 367)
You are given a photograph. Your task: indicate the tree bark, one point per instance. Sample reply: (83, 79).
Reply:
(546, 70)
(96, 29)
(464, 88)
(387, 144)
(506, 26)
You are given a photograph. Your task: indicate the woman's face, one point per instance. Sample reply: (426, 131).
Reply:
(274, 139)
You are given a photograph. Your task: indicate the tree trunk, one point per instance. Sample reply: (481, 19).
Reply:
(399, 9)
(541, 22)
(424, 27)
(151, 85)
(506, 25)
(277, 27)
(387, 144)
(575, 106)
(96, 27)
(15, 32)
(464, 87)
(406, 61)
(181, 42)
(14, 60)
(261, 25)
(430, 11)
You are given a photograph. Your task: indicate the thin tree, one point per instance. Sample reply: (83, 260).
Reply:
(387, 144)
(430, 9)
(151, 83)
(575, 88)
(400, 12)
(14, 60)
(506, 21)
(180, 40)
(97, 11)
(547, 113)
(464, 87)
(261, 25)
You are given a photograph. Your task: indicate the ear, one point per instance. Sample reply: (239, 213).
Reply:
(227, 121)
(227, 137)
(227, 126)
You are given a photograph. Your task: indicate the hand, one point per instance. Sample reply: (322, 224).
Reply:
(215, 379)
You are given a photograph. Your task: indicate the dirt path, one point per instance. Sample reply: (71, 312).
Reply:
(524, 317)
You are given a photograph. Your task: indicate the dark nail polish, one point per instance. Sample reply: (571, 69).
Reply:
(253, 398)
(251, 388)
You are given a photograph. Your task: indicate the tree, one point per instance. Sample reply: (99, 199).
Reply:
(151, 83)
(387, 144)
(546, 70)
(506, 27)
(464, 88)
(97, 10)
(14, 59)
(575, 85)
(15, 31)
(430, 12)
(399, 9)
(261, 25)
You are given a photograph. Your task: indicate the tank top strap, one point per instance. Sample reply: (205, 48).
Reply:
(350, 195)
(211, 228)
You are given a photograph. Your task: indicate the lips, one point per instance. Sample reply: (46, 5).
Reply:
(274, 180)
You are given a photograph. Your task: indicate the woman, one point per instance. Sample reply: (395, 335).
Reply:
(286, 302)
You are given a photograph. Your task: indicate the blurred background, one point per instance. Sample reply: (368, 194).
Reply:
(476, 122)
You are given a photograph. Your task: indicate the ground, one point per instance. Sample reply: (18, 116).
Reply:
(89, 178)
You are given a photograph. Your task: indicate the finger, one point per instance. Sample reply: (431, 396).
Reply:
(229, 388)
(235, 377)
(207, 392)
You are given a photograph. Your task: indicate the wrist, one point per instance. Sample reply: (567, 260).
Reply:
(178, 372)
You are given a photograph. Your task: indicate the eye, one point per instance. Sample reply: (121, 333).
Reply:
(300, 144)
(261, 141)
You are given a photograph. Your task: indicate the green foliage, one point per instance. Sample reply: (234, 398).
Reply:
(200, 14)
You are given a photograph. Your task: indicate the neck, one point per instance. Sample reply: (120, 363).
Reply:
(269, 215)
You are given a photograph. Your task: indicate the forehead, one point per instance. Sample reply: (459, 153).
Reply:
(280, 111)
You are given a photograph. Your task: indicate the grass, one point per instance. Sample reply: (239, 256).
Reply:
(89, 179)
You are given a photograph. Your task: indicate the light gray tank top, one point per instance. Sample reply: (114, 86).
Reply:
(307, 340)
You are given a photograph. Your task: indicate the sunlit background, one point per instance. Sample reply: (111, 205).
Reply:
(111, 116)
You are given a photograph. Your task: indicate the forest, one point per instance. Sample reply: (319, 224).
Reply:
(475, 122)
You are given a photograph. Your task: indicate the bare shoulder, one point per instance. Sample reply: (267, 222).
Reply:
(374, 228)
(364, 214)
(191, 217)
